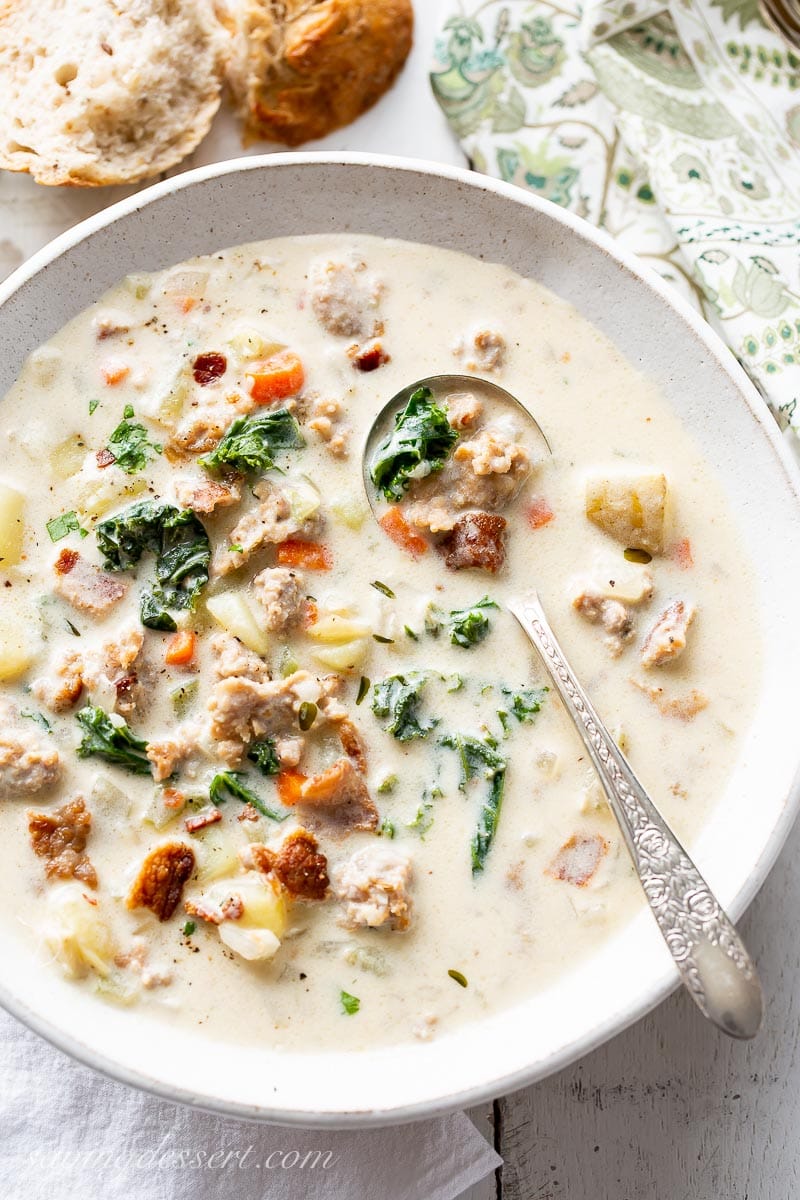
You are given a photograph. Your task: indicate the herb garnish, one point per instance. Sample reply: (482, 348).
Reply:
(418, 445)
(231, 782)
(350, 1004)
(468, 626)
(381, 587)
(182, 549)
(59, 527)
(363, 688)
(459, 978)
(250, 443)
(525, 703)
(398, 697)
(188, 928)
(129, 445)
(112, 740)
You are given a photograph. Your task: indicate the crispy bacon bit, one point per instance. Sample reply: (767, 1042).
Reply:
(248, 813)
(297, 864)
(104, 457)
(370, 357)
(161, 877)
(681, 554)
(65, 562)
(539, 513)
(578, 859)
(340, 795)
(124, 688)
(208, 367)
(477, 539)
(352, 744)
(60, 837)
(205, 816)
(206, 496)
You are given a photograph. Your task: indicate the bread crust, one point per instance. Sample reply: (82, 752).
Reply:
(302, 68)
(98, 93)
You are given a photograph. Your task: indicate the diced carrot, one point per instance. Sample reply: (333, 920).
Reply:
(186, 303)
(114, 373)
(310, 614)
(681, 554)
(276, 378)
(578, 859)
(311, 555)
(539, 513)
(396, 527)
(290, 786)
(173, 798)
(180, 648)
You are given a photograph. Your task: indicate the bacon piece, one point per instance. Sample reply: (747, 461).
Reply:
(60, 838)
(209, 367)
(578, 859)
(85, 586)
(204, 817)
(161, 878)
(477, 539)
(298, 865)
(369, 357)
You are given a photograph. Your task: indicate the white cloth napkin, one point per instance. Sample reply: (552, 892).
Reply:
(66, 1131)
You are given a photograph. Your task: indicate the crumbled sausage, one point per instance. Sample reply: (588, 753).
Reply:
(242, 709)
(373, 884)
(298, 865)
(268, 524)
(231, 658)
(343, 303)
(611, 615)
(85, 586)
(463, 409)
(279, 592)
(352, 743)
(206, 495)
(666, 640)
(477, 539)
(340, 796)
(60, 838)
(486, 353)
(28, 762)
(161, 878)
(167, 753)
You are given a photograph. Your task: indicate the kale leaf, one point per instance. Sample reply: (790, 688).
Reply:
(111, 740)
(468, 626)
(264, 756)
(479, 758)
(129, 445)
(398, 697)
(231, 782)
(524, 703)
(182, 549)
(418, 445)
(250, 443)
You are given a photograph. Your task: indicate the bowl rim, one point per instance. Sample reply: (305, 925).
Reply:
(628, 1012)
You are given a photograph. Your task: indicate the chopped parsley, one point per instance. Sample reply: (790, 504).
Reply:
(130, 446)
(263, 754)
(468, 626)
(59, 527)
(350, 1004)
(386, 828)
(418, 445)
(180, 543)
(251, 442)
(93, 406)
(398, 698)
(229, 783)
(188, 928)
(381, 587)
(112, 740)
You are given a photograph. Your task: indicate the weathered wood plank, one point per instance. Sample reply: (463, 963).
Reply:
(483, 1120)
(670, 1109)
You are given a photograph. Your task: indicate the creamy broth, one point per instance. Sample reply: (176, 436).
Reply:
(532, 908)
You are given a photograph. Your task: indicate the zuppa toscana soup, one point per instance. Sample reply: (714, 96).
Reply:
(278, 769)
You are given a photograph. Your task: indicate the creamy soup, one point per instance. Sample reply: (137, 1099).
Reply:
(287, 770)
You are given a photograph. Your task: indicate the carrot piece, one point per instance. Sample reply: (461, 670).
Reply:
(276, 378)
(114, 373)
(396, 527)
(312, 555)
(180, 648)
(681, 554)
(539, 513)
(290, 787)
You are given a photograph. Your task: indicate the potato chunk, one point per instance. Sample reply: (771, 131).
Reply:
(12, 504)
(631, 508)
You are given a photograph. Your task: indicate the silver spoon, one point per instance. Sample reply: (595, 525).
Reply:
(708, 952)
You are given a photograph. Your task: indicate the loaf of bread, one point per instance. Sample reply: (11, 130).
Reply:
(97, 92)
(301, 68)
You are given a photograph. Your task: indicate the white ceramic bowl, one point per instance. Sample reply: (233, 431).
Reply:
(255, 198)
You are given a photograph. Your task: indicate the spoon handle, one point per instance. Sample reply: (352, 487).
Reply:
(708, 952)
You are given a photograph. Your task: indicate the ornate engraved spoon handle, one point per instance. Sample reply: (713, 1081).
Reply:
(708, 952)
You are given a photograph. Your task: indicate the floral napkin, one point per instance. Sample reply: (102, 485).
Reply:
(673, 125)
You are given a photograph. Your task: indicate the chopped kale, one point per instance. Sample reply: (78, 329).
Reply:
(251, 442)
(264, 756)
(423, 818)
(480, 759)
(398, 697)
(418, 445)
(40, 719)
(180, 543)
(434, 620)
(129, 445)
(230, 782)
(386, 828)
(525, 703)
(111, 740)
(350, 1004)
(468, 626)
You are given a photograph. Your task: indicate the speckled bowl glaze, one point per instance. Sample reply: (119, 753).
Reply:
(280, 195)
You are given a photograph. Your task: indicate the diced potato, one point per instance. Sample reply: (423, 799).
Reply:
(350, 509)
(76, 934)
(19, 644)
(45, 364)
(234, 612)
(248, 343)
(335, 628)
(631, 508)
(216, 854)
(304, 499)
(118, 989)
(138, 285)
(165, 403)
(68, 457)
(252, 944)
(12, 506)
(96, 492)
(265, 904)
(348, 656)
(186, 282)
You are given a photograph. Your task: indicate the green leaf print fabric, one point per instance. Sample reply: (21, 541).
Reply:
(675, 127)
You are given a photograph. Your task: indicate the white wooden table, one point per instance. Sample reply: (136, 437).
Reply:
(669, 1110)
